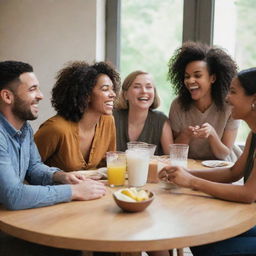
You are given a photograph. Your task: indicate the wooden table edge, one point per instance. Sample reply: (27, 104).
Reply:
(126, 246)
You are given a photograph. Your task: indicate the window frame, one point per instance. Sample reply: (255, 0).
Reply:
(198, 24)
(113, 35)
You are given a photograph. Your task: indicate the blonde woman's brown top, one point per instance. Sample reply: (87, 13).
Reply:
(58, 143)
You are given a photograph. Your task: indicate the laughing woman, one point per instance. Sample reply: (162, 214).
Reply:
(242, 99)
(83, 129)
(136, 117)
(200, 117)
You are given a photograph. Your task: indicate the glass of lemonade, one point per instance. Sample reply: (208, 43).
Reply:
(179, 154)
(116, 168)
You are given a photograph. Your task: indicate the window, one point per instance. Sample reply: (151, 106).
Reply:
(150, 32)
(236, 33)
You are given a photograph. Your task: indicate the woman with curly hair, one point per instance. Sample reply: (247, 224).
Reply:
(83, 129)
(136, 117)
(201, 76)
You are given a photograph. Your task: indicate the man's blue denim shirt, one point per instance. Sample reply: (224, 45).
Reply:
(19, 160)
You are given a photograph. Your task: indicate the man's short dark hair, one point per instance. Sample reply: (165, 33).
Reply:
(11, 70)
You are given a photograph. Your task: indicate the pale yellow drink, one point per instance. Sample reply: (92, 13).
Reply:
(116, 175)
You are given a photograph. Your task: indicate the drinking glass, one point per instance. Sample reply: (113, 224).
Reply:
(140, 144)
(152, 149)
(137, 166)
(153, 170)
(135, 144)
(179, 154)
(116, 168)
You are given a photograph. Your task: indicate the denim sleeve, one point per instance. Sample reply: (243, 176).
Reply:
(38, 173)
(15, 195)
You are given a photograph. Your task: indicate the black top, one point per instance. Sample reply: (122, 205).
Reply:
(151, 132)
(250, 158)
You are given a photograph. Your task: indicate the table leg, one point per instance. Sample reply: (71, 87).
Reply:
(180, 252)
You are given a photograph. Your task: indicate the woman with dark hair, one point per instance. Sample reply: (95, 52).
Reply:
(242, 99)
(83, 129)
(200, 117)
(136, 117)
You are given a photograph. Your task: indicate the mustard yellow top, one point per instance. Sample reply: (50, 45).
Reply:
(58, 143)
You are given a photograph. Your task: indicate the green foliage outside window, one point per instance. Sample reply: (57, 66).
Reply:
(245, 54)
(151, 31)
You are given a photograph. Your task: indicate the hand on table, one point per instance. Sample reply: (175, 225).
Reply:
(87, 190)
(177, 175)
(75, 177)
(68, 177)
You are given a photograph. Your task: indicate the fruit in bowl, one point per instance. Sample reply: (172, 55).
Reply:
(132, 199)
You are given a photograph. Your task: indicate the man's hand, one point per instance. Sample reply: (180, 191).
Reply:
(68, 177)
(88, 190)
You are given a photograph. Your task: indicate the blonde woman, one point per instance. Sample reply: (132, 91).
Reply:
(136, 117)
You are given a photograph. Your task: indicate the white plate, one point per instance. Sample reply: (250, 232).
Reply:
(217, 163)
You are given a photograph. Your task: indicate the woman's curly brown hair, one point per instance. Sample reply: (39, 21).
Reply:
(70, 94)
(218, 63)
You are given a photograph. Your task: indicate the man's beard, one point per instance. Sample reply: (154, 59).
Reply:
(22, 110)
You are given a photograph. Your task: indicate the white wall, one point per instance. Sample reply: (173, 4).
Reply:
(49, 33)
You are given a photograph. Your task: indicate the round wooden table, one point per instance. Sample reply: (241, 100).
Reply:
(175, 219)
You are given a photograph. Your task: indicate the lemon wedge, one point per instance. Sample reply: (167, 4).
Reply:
(130, 193)
(120, 196)
(142, 195)
(134, 194)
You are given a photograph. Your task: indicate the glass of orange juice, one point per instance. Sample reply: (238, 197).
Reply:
(116, 168)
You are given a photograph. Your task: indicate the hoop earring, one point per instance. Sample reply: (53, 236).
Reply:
(253, 106)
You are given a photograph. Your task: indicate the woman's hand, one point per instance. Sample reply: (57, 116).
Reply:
(186, 135)
(204, 131)
(191, 131)
(177, 175)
